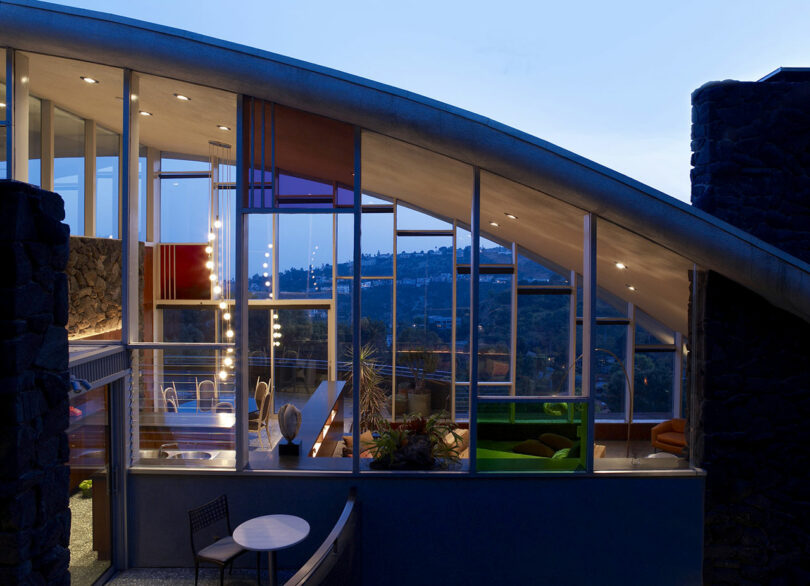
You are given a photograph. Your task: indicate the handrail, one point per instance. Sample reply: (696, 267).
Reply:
(330, 551)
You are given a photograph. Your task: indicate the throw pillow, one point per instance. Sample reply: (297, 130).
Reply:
(533, 447)
(556, 441)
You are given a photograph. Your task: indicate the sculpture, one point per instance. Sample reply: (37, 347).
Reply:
(289, 421)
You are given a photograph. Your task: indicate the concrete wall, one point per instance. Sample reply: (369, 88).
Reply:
(34, 382)
(446, 529)
(751, 156)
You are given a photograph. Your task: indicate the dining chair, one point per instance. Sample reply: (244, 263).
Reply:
(262, 390)
(170, 402)
(261, 420)
(206, 395)
(211, 539)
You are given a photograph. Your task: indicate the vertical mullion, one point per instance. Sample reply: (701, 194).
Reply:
(677, 375)
(356, 307)
(589, 326)
(90, 178)
(240, 290)
(630, 366)
(453, 310)
(394, 323)
(129, 210)
(513, 325)
(572, 336)
(475, 265)
(18, 117)
(47, 154)
(9, 110)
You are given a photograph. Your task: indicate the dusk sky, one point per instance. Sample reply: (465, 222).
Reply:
(610, 81)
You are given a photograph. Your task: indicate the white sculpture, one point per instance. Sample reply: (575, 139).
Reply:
(289, 421)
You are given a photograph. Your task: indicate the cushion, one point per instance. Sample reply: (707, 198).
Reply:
(556, 441)
(348, 441)
(465, 453)
(461, 443)
(221, 550)
(366, 440)
(672, 438)
(560, 454)
(678, 425)
(533, 447)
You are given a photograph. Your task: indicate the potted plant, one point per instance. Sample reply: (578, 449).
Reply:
(372, 396)
(418, 443)
(420, 362)
(86, 486)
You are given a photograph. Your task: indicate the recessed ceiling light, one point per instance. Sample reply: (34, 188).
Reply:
(631, 287)
(2, 104)
(182, 98)
(223, 127)
(510, 216)
(621, 266)
(145, 113)
(86, 79)
(494, 224)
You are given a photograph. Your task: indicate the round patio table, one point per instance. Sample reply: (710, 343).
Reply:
(270, 533)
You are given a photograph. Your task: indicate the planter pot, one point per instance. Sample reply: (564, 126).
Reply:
(419, 404)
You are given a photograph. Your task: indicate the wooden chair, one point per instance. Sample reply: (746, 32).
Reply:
(170, 402)
(335, 561)
(211, 540)
(262, 390)
(256, 424)
(206, 395)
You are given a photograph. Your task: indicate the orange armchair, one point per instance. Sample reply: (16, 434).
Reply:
(670, 436)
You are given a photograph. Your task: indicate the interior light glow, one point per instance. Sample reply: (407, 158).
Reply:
(265, 275)
(208, 250)
(264, 265)
(223, 374)
(230, 350)
(226, 316)
(276, 334)
(212, 277)
(510, 216)
(266, 255)
(269, 246)
(144, 113)
(182, 98)
(276, 326)
(223, 305)
(267, 283)
(87, 79)
(209, 264)
(2, 104)
(211, 236)
(277, 344)
(217, 224)
(621, 266)
(228, 361)
(223, 127)
(229, 333)
(217, 289)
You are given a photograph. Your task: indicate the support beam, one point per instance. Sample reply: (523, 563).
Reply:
(19, 123)
(589, 326)
(475, 270)
(90, 178)
(129, 209)
(240, 292)
(46, 173)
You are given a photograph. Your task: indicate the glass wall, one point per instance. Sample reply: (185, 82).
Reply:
(34, 141)
(108, 146)
(68, 166)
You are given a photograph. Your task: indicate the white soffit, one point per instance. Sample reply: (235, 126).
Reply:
(175, 126)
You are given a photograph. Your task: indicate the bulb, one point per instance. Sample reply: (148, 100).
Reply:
(229, 333)
(276, 344)
(230, 350)
(266, 255)
(217, 289)
(277, 334)
(269, 246)
(208, 250)
(267, 283)
(223, 305)
(211, 236)
(264, 265)
(264, 275)
(276, 326)
(217, 224)
(228, 361)
(223, 374)
(209, 264)
(226, 316)
(212, 277)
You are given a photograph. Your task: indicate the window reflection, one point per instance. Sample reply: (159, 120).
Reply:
(68, 167)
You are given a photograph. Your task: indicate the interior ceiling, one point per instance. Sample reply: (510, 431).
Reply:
(175, 126)
(545, 225)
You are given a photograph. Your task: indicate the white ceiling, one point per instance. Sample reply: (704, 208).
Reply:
(545, 225)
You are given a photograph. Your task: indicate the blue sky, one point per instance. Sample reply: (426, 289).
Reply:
(608, 80)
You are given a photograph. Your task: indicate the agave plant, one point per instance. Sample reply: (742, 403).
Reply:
(372, 397)
(416, 444)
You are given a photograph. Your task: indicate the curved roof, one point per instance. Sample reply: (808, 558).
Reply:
(562, 178)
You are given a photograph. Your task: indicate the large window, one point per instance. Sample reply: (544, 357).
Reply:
(68, 166)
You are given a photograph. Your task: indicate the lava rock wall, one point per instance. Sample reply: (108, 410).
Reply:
(34, 477)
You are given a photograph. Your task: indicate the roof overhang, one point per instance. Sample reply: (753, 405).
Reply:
(503, 151)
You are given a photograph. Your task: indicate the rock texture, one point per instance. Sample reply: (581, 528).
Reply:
(751, 157)
(94, 277)
(34, 513)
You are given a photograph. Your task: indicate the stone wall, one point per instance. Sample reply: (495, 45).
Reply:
(34, 513)
(751, 157)
(94, 276)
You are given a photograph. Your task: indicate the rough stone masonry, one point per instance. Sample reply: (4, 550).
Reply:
(34, 383)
